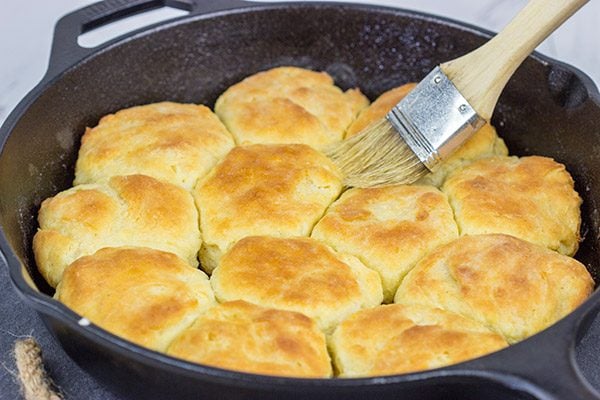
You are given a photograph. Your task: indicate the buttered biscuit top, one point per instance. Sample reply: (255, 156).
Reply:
(177, 143)
(513, 287)
(531, 198)
(395, 339)
(146, 296)
(134, 210)
(289, 105)
(388, 228)
(245, 337)
(296, 274)
(278, 190)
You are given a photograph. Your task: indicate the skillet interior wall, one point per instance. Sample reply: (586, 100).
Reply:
(541, 111)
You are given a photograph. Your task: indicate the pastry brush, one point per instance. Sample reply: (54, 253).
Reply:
(448, 106)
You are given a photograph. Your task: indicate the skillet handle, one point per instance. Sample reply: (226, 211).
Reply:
(66, 52)
(545, 363)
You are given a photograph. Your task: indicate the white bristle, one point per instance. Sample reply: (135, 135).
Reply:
(377, 156)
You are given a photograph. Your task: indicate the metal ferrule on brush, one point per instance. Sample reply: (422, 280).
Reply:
(434, 119)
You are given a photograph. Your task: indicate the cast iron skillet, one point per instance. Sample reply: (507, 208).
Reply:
(548, 108)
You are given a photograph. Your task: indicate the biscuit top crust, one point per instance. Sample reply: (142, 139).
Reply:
(514, 287)
(134, 210)
(289, 105)
(484, 143)
(279, 190)
(379, 108)
(177, 143)
(531, 198)
(296, 274)
(388, 228)
(395, 339)
(143, 295)
(245, 337)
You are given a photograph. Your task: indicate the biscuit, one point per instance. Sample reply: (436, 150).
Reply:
(388, 228)
(245, 337)
(289, 105)
(513, 287)
(143, 295)
(296, 274)
(531, 198)
(133, 210)
(278, 190)
(397, 339)
(177, 143)
(379, 108)
(484, 143)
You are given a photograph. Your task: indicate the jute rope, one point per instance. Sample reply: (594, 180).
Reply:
(35, 384)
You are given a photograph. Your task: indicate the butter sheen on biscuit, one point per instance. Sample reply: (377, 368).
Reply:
(177, 143)
(245, 337)
(277, 190)
(296, 274)
(397, 339)
(144, 295)
(134, 210)
(388, 228)
(531, 198)
(513, 287)
(289, 105)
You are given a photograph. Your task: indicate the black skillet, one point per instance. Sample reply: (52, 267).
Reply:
(548, 108)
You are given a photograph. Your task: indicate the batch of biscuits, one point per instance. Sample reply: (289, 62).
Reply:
(228, 239)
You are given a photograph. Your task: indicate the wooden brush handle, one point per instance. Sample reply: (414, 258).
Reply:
(482, 74)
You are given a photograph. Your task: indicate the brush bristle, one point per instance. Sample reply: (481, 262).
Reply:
(377, 156)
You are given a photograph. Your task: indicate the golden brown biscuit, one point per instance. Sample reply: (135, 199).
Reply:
(397, 339)
(143, 295)
(388, 228)
(531, 198)
(484, 143)
(245, 337)
(379, 108)
(278, 190)
(513, 287)
(289, 105)
(177, 143)
(296, 274)
(133, 210)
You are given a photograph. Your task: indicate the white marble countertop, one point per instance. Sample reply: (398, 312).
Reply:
(26, 34)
